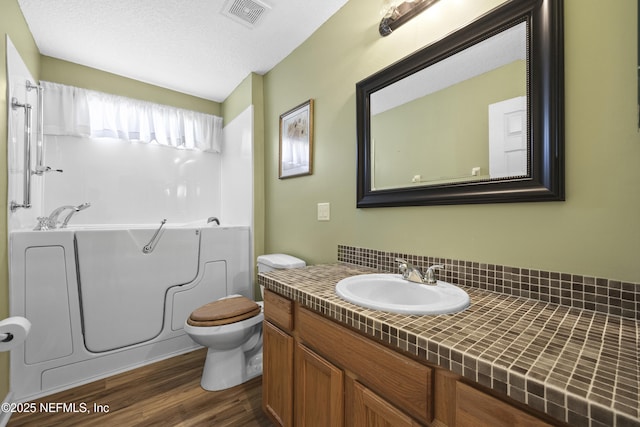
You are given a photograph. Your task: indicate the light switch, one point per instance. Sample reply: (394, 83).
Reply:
(324, 211)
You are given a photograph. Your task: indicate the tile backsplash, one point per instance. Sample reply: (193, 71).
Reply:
(592, 293)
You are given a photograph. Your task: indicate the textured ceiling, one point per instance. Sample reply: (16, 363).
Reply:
(185, 45)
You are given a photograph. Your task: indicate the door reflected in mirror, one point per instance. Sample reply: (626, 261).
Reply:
(461, 119)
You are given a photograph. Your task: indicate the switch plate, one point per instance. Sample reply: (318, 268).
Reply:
(324, 211)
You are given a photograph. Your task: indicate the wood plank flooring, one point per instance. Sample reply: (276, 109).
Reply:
(166, 393)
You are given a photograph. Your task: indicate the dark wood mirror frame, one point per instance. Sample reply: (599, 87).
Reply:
(545, 115)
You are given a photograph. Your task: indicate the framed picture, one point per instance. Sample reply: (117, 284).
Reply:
(296, 141)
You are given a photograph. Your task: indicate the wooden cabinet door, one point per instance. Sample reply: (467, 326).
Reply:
(477, 409)
(319, 391)
(366, 408)
(277, 375)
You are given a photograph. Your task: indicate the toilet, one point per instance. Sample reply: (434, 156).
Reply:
(272, 262)
(231, 329)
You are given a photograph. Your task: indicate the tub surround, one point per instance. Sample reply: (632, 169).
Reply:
(578, 366)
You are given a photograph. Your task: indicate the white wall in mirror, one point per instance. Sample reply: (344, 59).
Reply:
(504, 48)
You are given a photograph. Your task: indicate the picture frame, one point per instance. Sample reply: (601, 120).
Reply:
(296, 141)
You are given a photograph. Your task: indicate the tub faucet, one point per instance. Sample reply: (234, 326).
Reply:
(51, 222)
(413, 274)
(213, 219)
(73, 211)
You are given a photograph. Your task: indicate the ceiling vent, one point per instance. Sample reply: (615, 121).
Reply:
(247, 12)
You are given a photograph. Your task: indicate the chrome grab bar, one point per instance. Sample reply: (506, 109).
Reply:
(26, 202)
(149, 247)
(40, 168)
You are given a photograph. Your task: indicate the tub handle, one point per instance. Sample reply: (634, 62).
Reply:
(149, 247)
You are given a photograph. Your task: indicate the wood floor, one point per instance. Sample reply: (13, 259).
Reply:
(166, 393)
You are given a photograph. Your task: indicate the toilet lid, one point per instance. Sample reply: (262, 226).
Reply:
(224, 311)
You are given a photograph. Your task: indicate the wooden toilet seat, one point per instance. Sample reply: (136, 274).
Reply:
(224, 312)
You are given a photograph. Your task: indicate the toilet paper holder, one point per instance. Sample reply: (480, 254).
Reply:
(13, 332)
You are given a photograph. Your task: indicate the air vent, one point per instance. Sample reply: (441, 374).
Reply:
(246, 12)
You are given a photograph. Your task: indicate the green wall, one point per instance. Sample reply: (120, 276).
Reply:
(595, 232)
(68, 73)
(12, 23)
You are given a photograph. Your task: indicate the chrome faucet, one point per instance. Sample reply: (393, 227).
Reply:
(429, 275)
(73, 211)
(413, 274)
(51, 222)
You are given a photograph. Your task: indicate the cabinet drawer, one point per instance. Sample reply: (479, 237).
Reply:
(278, 310)
(406, 383)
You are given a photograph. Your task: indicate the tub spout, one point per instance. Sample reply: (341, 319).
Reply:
(51, 222)
(73, 211)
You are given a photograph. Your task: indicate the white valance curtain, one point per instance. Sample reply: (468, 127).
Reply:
(75, 111)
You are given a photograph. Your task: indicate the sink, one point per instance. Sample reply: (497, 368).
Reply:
(390, 292)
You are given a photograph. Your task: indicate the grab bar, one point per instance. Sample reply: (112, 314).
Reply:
(26, 203)
(40, 168)
(149, 247)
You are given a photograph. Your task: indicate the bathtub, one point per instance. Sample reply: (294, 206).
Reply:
(98, 305)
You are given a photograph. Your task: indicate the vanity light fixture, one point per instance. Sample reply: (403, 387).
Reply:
(400, 12)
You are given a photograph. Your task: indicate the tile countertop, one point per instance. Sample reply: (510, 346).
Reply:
(578, 366)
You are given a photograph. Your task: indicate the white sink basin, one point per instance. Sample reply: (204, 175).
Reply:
(390, 292)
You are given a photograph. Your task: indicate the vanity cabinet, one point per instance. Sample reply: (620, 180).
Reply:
(310, 380)
(290, 367)
(319, 373)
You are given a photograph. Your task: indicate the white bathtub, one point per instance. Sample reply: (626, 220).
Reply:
(99, 305)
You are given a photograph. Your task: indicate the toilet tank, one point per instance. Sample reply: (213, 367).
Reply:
(272, 262)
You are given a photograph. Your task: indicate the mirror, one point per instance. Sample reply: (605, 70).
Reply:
(476, 117)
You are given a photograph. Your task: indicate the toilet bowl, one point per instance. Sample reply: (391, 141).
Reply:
(234, 352)
(231, 329)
